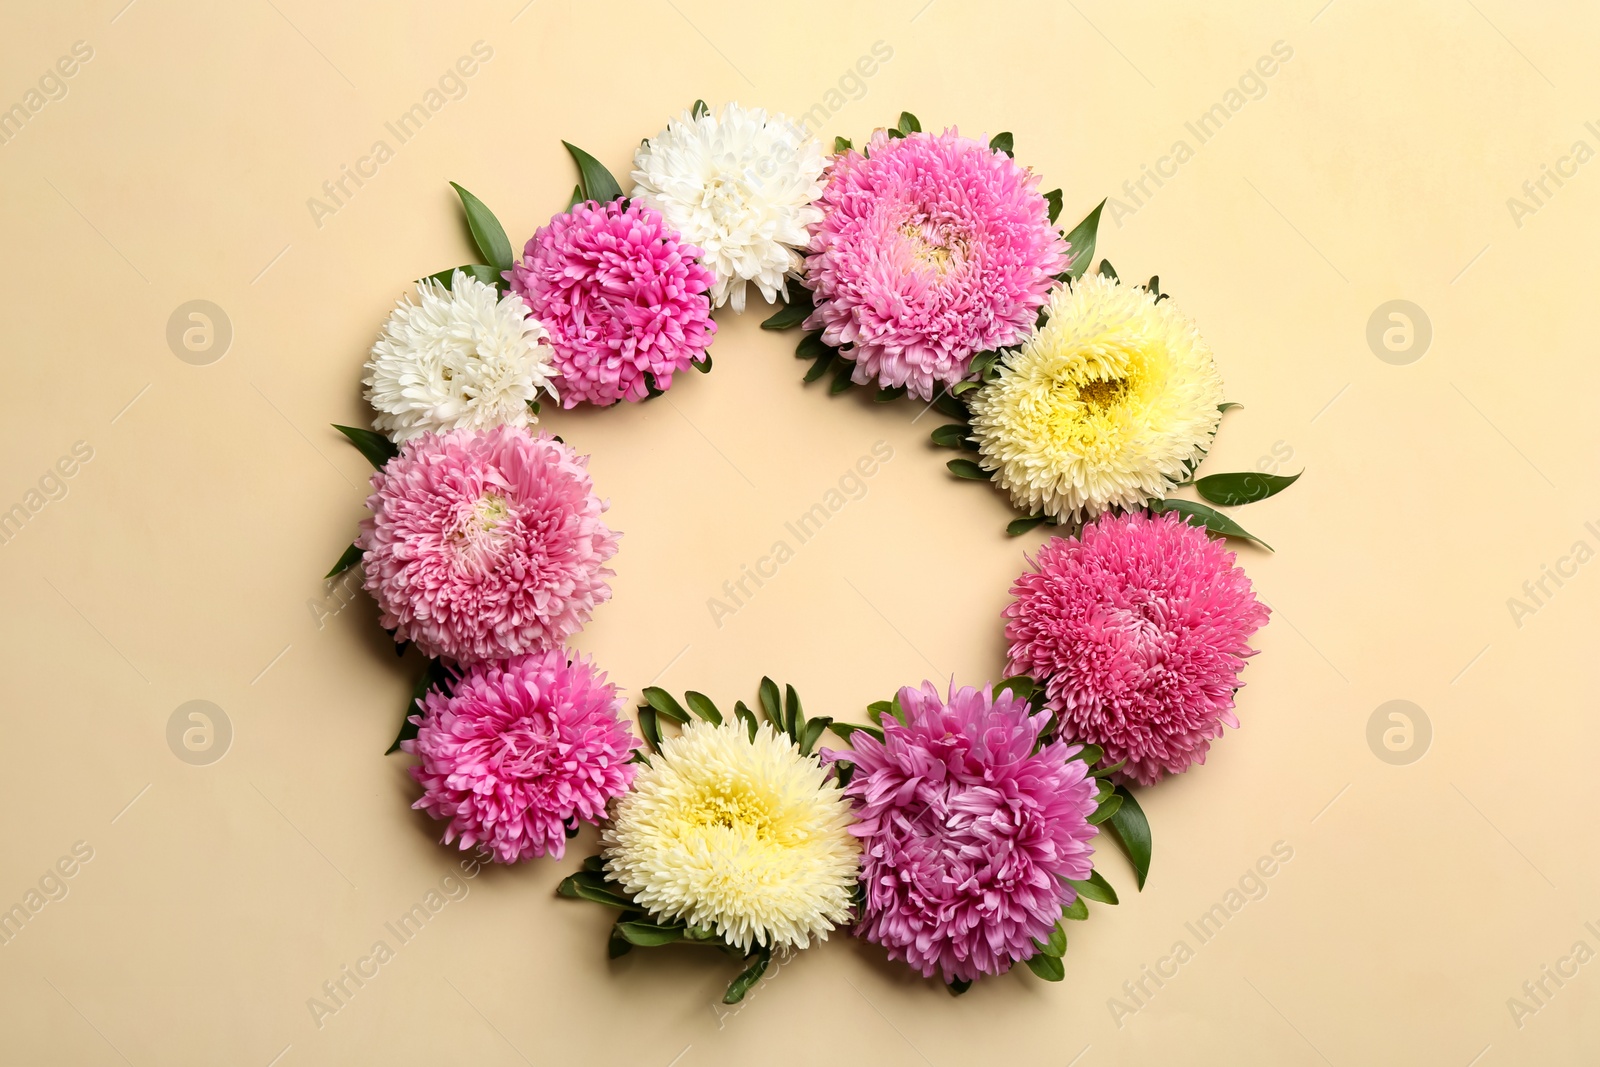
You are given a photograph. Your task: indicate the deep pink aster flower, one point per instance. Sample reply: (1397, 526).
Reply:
(485, 544)
(622, 296)
(932, 248)
(1138, 628)
(967, 834)
(519, 751)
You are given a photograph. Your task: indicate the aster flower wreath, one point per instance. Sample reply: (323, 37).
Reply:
(956, 830)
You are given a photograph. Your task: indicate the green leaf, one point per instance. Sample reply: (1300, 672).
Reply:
(1057, 945)
(884, 396)
(593, 178)
(844, 770)
(951, 435)
(1095, 887)
(703, 364)
(946, 404)
(812, 346)
(847, 730)
(617, 945)
(1090, 755)
(350, 557)
(1108, 807)
(650, 728)
(664, 704)
(594, 863)
(481, 271)
(794, 717)
(1246, 487)
(1109, 769)
(794, 311)
(877, 710)
(699, 109)
(702, 706)
(434, 676)
(1053, 200)
(813, 733)
(377, 448)
(1108, 271)
(1046, 966)
(486, 230)
(586, 885)
(842, 144)
(1200, 515)
(1077, 911)
(577, 197)
(959, 986)
(749, 976)
(841, 378)
(1132, 832)
(819, 368)
(1020, 684)
(1082, 239)
(1017, 527)
(748, 717)
(1227, 406)
(909, 123)
(1001, 142)
(769, 703)
(965, 468)
(649, 935)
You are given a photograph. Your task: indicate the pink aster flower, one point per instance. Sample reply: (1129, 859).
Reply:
(1138, 628)
(520, 751)
(622, 295)
(485, 544)
(967, 834)
(932, 248)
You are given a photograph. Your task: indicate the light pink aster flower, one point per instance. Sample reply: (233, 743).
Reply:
(967, 834)
(932, 248)
(521, 751)
(485, 544)
(1138, 628)
(623, 297)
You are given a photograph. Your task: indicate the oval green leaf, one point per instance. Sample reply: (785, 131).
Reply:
(1245, 487)
(1132, 831)
(593, 178)
(1213, 520)
(486, 231)
(965, 468)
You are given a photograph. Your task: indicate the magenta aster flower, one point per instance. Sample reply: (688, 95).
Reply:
(485, 544)
(622, 296)
(967, 834)
(519, 751)
(932, 248)
(1138, 629)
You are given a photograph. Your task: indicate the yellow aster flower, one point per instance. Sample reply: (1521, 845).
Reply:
(744, 837)
(1109, 405)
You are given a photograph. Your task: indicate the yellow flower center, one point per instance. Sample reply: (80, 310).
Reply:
(731, 804)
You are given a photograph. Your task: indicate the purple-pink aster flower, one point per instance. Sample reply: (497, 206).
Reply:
(485, 544)
(1138, 629)
(519, 751)
(622, 295)
(967, 834)
(932, 248)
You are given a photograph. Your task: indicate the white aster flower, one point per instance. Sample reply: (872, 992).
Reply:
(740, 185)
(465, 357)
(744, 837)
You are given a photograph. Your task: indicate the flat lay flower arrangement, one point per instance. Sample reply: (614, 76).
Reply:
(956, 828)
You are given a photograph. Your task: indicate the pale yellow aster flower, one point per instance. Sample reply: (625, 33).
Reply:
(744, 837)
(1109, 405)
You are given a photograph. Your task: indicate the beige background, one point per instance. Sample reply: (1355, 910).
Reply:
(184, 561)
